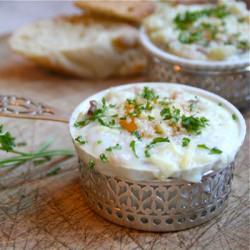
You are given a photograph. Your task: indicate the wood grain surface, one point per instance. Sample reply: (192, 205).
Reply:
(41, 212)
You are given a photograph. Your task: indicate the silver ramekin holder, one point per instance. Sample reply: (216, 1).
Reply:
(152, 205)
(156, 206)
(230, 80)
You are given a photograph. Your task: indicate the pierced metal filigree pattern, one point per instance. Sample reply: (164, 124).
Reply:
(156, 206)
(20, 107)
(232, 85)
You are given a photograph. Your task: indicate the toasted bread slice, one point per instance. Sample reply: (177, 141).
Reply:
(82, 46)
(128, 10)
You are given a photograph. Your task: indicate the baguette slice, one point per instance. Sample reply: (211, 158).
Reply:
(129, 10)
(82, 46)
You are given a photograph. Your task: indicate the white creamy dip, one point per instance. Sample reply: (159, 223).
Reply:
(210, 32)
(157, 131)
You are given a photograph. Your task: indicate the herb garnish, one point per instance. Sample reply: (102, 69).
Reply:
(243, 45)
(213, 150)
(173, 114)
(42, 155)
(116, 147)
(194, 124)
(103, 157)
(153, 143)
(202, 146)
(80, 140)
(234, 117)
(151, 118)
(132, 146)
(7, 141)
(137, 134)
(204, 32)
(185, 141)
(186, 37)
(91, 164)
(96, 114)
(149, 94)
(186, 19)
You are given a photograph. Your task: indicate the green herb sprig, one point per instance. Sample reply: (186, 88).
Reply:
(186, 19)
(132, 146)
(213, 151)
(43, 154)
(193, 124)
(153, 143)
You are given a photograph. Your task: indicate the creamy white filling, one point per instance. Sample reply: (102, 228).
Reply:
(162, 30)
(168, 159)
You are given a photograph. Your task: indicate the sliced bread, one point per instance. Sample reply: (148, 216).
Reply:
(83, 46)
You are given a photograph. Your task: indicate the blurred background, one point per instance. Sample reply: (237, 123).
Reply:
(13, 14)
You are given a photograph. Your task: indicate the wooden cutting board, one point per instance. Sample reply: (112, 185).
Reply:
(48, 212)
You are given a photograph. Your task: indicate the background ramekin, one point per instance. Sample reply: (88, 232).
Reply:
(229, 79)
(154, 205)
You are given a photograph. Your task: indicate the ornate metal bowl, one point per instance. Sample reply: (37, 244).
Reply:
(150, 205)
(232, 85)
(156, 205)
(227, 79)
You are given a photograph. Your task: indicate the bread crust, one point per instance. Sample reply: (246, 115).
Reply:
(113, 48)
(134, 11)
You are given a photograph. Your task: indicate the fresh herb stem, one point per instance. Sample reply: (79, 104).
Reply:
(34, 156)
(43, 154)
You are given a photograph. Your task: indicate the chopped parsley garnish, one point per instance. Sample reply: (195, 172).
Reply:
(99, 142)
(7, 141)
(151, 118)
(194, 124)
(132, 146)
(137, 134)
(91, 164)
(149, 94)
(153, 143)
(80, 140)
(213, 150)
(185, 142)
(168, 114)
(96, 114)
(186, 37)
(103, 158)
(116, 147)
(202, 33)
(186, 19)
(202, 146)
(234, 117)
(243, 45)
(193, 104)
